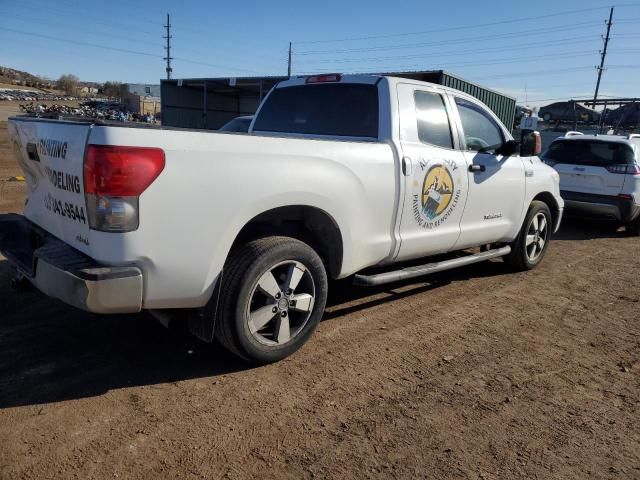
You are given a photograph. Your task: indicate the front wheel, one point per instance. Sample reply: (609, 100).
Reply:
(273, 295)
(528, 249)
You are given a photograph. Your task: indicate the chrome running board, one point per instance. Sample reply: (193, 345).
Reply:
(419, 270)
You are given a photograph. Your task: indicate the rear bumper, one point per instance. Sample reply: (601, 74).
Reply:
(62, 272)
(600, 206)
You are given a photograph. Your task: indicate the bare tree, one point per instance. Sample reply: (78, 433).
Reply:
(111, 89)
(68, 83)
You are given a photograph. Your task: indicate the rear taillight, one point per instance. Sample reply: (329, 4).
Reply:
(624, 169)
(114, 178)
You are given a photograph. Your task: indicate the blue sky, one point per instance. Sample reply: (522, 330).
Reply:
(532, 50)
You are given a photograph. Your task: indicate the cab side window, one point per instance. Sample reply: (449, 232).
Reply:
(481, 131)
(433, 120)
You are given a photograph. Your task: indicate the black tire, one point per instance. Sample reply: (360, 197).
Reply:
(242, 273)
(520, 258)
(547, 117)
(609, 227)
(634, 227)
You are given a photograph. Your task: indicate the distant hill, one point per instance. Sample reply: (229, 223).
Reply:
(18, 77)
(10, 77)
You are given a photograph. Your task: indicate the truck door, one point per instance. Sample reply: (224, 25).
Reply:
(433, 172)
(496, 182)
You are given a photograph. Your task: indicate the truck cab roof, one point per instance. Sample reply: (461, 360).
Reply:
(365, 78)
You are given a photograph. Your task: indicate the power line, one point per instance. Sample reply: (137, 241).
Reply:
(127, 5)
(31, 20)
(503, 61)
(551, 72)
(197, 62)
(94, 19)
(138, 62)
(537, 72)
(451, 29)
(488, 77)
(130, 28)
(275, 54)
(123, 50)
(522, 33)
(525, 46)
(77, 42)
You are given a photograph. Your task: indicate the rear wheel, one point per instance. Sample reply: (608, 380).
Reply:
(273, 295)
(528, 249)
(546, 117)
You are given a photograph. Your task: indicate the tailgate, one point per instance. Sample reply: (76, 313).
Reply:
(589, 164)
(589, 179)
(51, 154)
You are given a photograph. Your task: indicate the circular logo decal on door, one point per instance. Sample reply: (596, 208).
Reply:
(437, 191)
(434, 203)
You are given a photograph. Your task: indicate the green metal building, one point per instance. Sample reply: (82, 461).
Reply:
(209, 103)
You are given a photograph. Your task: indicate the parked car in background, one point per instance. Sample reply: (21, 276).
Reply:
(568, 112)
(599, 176)
(626, 116)
(238, 124)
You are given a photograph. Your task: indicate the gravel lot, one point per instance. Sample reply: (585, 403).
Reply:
(475, 373)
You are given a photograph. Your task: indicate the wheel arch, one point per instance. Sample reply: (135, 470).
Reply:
(309, 224)
(552, 203)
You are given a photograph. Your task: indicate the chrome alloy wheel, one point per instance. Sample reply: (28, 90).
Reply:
(281, 303)
(537, 234)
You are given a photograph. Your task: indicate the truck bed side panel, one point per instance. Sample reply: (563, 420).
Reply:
(214, 183)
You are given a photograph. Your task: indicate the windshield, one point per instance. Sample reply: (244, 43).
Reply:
(337, 109)
(589, 152)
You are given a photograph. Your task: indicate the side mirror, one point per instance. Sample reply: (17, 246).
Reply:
(508, 148)
(530, 143)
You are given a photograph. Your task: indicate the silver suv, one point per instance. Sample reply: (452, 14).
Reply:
(599, 176)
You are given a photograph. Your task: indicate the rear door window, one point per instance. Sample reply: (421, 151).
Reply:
(433, 120)
(590, 153)
(336, 109)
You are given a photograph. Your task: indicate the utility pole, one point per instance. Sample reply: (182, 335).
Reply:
(289, 62)
(603, 56)
(168, 58)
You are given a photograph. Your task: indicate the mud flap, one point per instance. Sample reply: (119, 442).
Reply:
(202, 322)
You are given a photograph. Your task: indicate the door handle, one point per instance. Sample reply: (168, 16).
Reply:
(477, 168)
(406, 166)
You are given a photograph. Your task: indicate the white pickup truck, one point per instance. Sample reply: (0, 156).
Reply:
(338, 176)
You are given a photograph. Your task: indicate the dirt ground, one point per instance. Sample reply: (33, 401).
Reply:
(475, 373)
